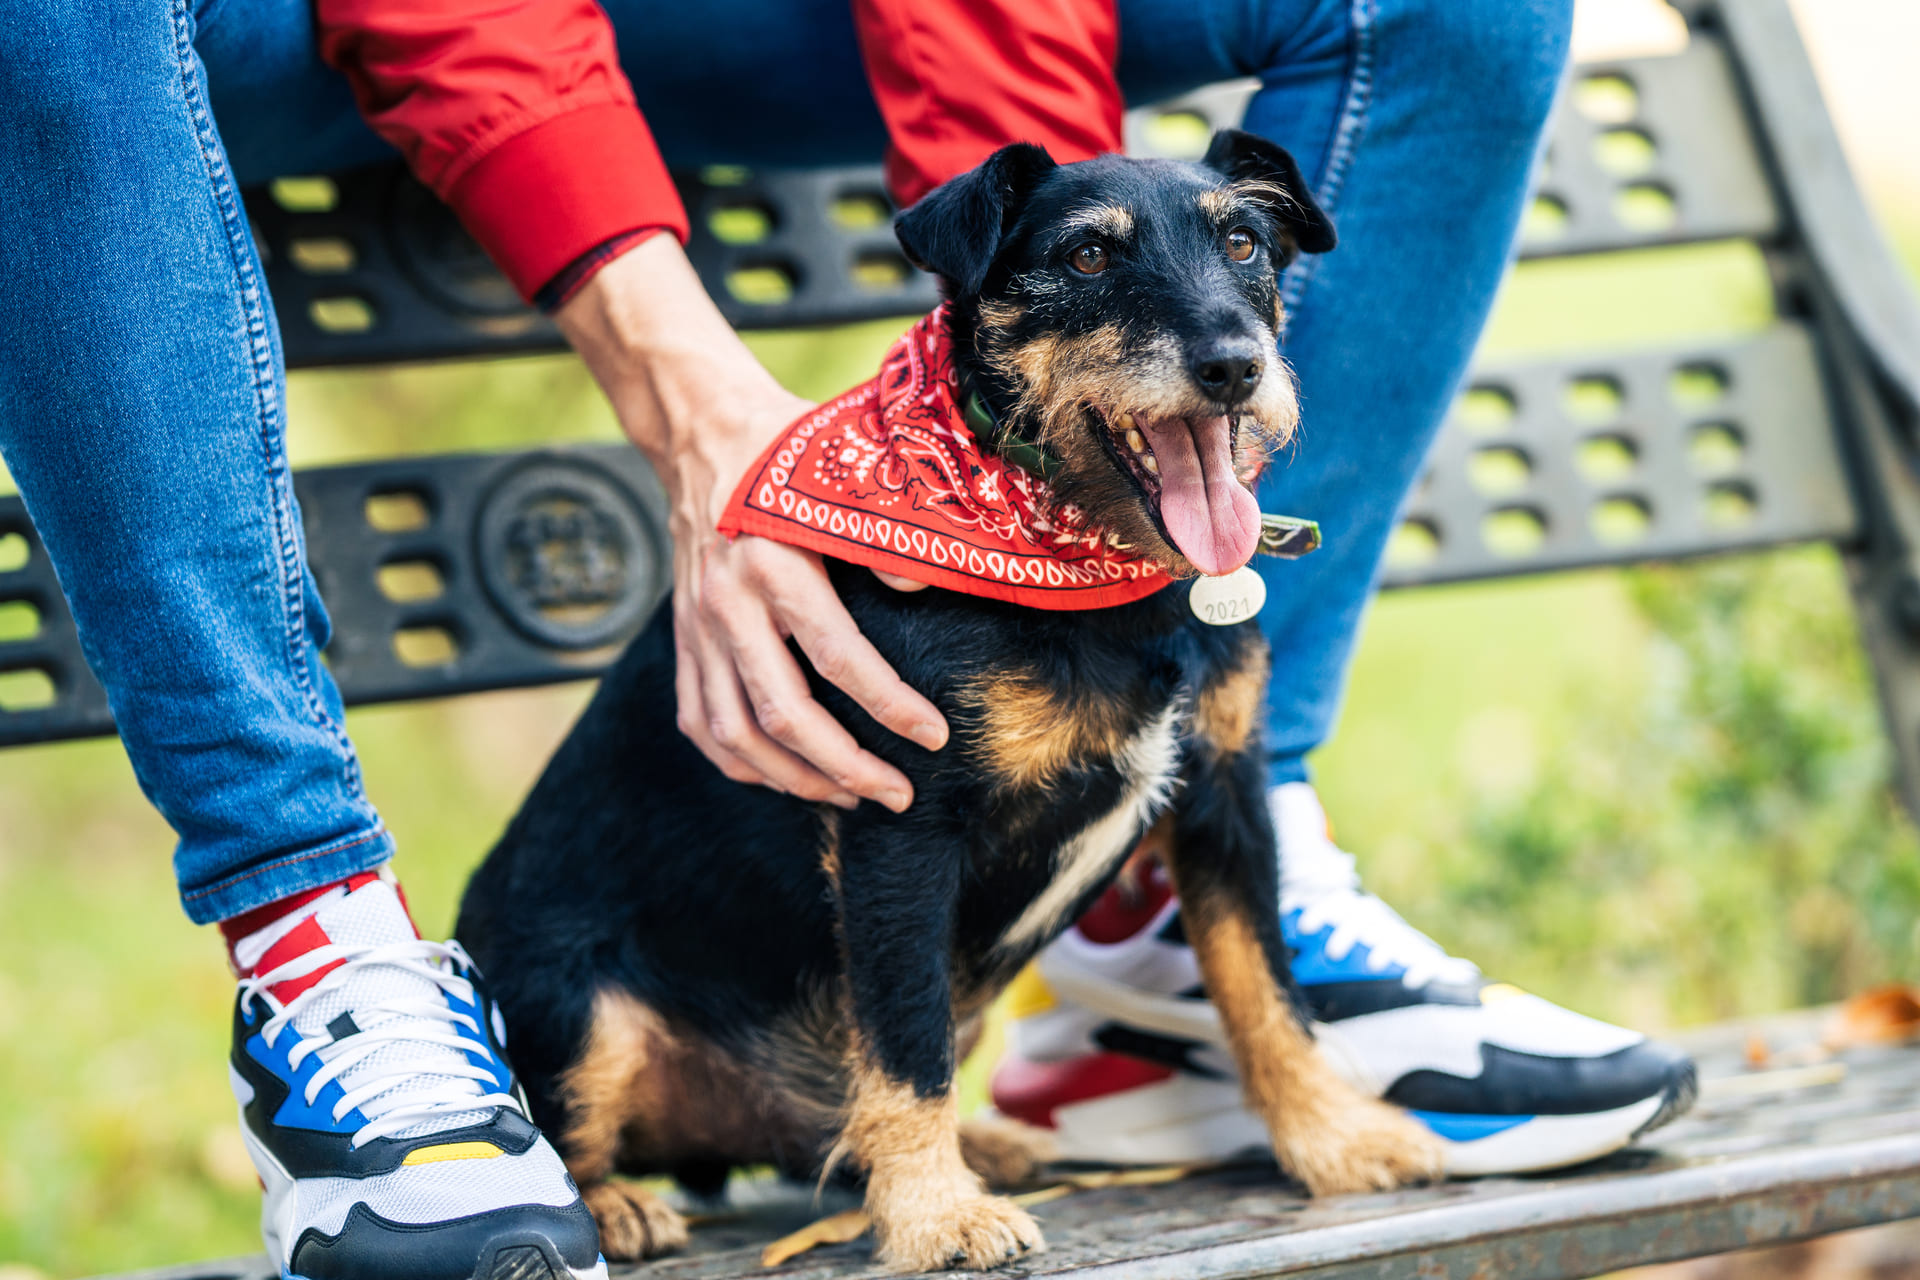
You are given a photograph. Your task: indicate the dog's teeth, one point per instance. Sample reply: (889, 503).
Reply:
(1136, 441)
(1125, 421)
(1153, 464)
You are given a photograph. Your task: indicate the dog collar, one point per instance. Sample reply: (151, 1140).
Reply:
(988, 430)
(1287, 537)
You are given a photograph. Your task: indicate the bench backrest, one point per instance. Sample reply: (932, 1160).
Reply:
(550, 559)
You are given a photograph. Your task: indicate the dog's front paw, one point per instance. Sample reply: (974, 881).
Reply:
(971, 1232)
(634, 1222)
(1368, 1146)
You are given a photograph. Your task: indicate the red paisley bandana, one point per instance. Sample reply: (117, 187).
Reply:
(890, 476)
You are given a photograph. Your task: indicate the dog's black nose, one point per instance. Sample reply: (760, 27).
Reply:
(1228, 372)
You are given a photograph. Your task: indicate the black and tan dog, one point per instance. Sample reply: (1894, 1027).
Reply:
(698, 974)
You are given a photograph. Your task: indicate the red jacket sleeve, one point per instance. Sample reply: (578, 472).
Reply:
(516, 113)
(958, 79)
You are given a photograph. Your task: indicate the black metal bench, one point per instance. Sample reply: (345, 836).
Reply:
(545, 561)
(549, 558)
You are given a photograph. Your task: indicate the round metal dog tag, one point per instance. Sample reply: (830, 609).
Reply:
(1223, 601)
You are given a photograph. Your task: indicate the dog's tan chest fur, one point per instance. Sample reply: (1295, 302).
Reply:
(1148, 761)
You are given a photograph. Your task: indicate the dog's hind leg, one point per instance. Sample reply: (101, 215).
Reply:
(1005, 1152)
(896, 882)
(604, 1094)
(1224, 861)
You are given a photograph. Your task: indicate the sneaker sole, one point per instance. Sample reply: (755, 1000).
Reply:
(519, 1262)
(1539, 1143)
(515, 1261)
(1189, 1120)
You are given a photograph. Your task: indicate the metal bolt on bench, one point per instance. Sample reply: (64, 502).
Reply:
(468, 572)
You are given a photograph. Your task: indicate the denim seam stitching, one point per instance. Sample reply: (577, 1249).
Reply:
(281, 863)
(260, 352)
(1346, 138)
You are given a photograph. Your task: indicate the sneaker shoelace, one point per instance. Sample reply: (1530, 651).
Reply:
(1322, 883)
(428, 1077)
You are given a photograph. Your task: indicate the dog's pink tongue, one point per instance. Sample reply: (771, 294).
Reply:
(1213, 519)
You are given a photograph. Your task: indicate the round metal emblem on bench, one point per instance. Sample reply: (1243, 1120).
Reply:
(567, 553)
(446, 263)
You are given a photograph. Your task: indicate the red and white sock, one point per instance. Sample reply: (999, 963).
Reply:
(263, 939)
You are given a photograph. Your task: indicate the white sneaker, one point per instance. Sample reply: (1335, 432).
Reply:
(390, 1137)
(1114, 1045)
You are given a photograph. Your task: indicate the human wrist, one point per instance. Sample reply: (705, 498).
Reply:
(576, 275)
(659, 348)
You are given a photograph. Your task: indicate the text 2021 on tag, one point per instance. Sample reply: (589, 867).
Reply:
(1231, 598)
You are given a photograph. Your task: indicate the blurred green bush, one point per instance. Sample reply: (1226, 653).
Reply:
(1720, 842)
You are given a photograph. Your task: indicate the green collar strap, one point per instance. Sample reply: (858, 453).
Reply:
(1288, 537)
(988, 430)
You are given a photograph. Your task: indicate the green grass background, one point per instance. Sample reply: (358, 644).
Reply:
(1658, 795)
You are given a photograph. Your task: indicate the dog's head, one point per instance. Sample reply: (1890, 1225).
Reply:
(1122, 316)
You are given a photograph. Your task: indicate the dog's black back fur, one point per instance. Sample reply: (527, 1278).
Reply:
(635, 862)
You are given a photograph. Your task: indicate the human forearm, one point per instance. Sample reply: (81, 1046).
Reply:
(687, 390)
(702, 409)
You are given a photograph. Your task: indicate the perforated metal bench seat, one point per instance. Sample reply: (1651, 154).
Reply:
(1765, 1157)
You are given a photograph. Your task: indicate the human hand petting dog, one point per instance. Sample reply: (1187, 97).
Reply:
(701, 408)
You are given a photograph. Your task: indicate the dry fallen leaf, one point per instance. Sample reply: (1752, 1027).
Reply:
(1883, 1015)
(1764, 1082)
(1096, 1178)
(851, 1224)
(1759, 1053)
(1093, 1179)
(1801, 1055)
(839, 1228)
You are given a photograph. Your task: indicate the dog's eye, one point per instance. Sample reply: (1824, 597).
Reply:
(1240, 244)
(1089, 259)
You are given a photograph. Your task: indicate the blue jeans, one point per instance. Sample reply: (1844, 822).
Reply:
(142, 407)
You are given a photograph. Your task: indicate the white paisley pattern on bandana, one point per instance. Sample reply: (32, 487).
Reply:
(890, 476)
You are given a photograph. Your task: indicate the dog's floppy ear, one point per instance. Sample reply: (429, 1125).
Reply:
(1246, 157)
(955, 230)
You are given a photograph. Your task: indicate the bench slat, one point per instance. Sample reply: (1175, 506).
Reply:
(545, 563)
(1675, 469)
(548, 560)
(387, 274)
(1674, 161)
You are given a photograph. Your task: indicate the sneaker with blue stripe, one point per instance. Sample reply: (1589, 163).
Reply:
(1113, 1044)
(389, 1134)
